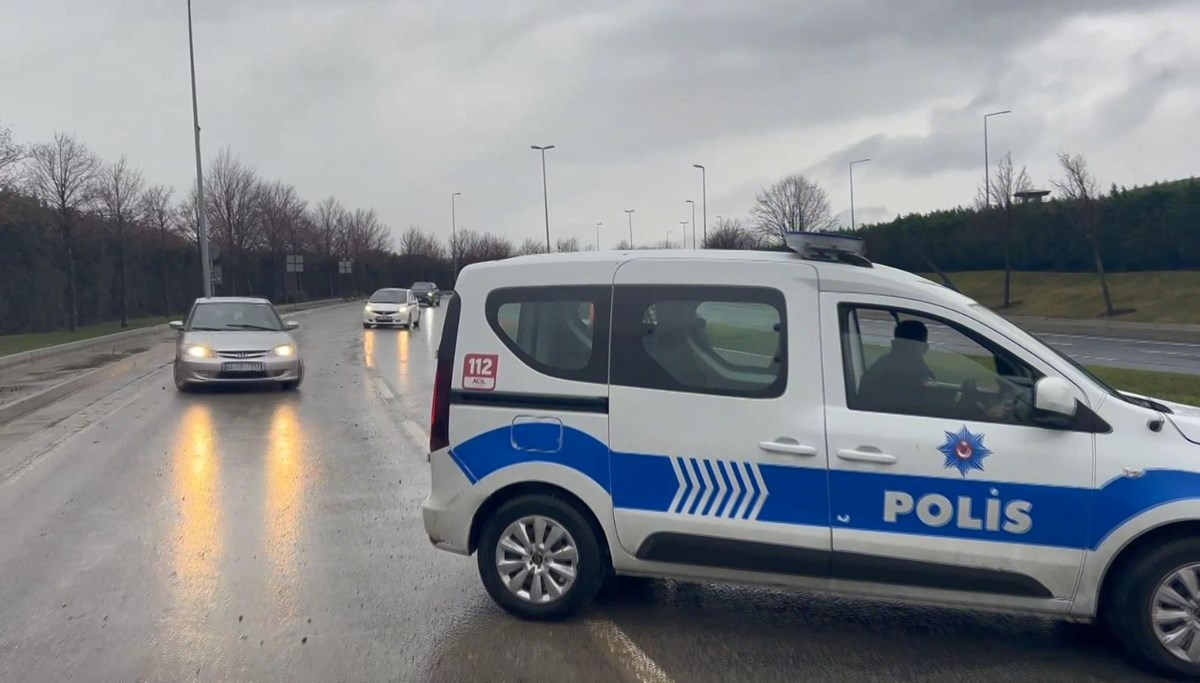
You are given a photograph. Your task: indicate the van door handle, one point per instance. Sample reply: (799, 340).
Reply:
(863, 455)
(789, 447)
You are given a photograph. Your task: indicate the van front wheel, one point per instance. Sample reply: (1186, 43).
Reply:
(539, 559)
(1155, 608)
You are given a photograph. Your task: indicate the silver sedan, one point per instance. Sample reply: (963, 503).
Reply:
(229, 340)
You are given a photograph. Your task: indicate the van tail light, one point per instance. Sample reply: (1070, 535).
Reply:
(439, 421)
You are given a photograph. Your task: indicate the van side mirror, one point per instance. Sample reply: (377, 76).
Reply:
(1055, 396)
(291, 325)
(176, 324)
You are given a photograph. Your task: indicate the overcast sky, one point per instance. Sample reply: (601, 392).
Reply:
(395, 105)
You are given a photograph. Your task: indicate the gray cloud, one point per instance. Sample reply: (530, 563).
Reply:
(397, 105)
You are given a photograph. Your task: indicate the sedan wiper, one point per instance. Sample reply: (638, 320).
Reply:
(248, 326)
(206, 329)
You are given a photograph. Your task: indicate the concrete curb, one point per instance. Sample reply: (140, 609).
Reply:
(43, 353)
(1111, 329)
(63, 389)
(59, 391)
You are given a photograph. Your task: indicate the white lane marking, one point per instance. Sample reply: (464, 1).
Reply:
(385, 389)
(1124, 340)
(417, 432)
(637, 664)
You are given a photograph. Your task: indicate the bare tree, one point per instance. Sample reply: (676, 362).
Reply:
(60, 174)
(329, 221)
(164, 219)
(11, 155)
(531, 246)
(118, 191)
(794, 204)
(1081, 193)
(232, 205)
(281, 215)
(475, 247)
(731, 233)
(416, 243)
(1006, 182)
(569, 244)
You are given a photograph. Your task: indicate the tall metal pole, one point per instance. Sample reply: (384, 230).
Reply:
(598, 236)
(987, 172)
(704, 196)
(858, 161)
(629, 212)
(683, 224)
(545, 194)
(693, 223)
(454, 239)
(201, 224)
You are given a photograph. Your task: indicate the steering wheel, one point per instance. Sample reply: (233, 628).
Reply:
(968, 398)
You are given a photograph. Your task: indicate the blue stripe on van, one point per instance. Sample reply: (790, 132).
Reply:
(1062, 516)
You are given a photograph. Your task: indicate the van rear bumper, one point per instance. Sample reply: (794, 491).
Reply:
(451, 505)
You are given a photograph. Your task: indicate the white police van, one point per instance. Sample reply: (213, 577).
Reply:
(801, 419)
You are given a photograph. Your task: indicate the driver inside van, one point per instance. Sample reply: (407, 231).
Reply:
(900, 380)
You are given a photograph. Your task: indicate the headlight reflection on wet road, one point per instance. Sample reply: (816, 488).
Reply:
(285, 482)
(197, 546)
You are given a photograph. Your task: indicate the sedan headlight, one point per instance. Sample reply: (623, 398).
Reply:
(284, 350)
(368, 309)
(197, 351)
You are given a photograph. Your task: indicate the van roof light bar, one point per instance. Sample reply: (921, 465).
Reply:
(824, 246)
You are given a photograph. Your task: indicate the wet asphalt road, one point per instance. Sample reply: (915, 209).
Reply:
(259, 535)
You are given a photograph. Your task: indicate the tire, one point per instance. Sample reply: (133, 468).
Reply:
(590, 564)
(294, 384)
(1133, 597)
(417, 323)
(366, 326)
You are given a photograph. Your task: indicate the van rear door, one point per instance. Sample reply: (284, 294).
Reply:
(717, 417)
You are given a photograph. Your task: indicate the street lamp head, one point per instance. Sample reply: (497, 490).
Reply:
(858, 161)
(456, 194)
(699, 166)
(689, 201)
(997, 113)
(537, 147)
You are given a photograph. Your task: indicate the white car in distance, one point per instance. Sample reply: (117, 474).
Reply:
(392, 307)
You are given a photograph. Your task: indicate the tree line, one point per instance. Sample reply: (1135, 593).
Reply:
(83, 240)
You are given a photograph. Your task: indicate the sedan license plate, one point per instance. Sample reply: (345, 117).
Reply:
(385, 318)
(241, 367)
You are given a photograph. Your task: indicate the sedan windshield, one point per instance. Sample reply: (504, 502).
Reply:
(423, 287)
(390, 296)
(222, 317)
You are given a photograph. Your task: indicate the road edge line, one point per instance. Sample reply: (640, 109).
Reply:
(635, 665)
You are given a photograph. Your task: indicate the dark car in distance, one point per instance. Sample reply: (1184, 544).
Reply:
(427, 293)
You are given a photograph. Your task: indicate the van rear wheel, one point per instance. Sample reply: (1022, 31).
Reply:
(539, 558)
(1155, 608)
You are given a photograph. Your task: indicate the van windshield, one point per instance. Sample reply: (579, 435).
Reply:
(1014, 330)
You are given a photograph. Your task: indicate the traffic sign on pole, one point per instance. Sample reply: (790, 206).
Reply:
(295, 263)
(345, 267)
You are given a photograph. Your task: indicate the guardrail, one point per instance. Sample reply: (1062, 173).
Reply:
(35, 355)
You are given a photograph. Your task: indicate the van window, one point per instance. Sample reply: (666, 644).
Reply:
(558, 331)
(904, 362)
(728, 341)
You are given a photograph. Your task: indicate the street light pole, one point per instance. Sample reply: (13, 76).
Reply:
(987, 171)
(859, 161)
(704, 196)
(598, 236)
(454, 239)
(201, 225)
(693, 203)
(629, 212)
(545, 194)
(684, 224)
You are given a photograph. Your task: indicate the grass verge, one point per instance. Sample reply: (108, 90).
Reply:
(16, 343)
(1155, 297)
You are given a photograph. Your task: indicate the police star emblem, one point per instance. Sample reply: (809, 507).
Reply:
(964, 451)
